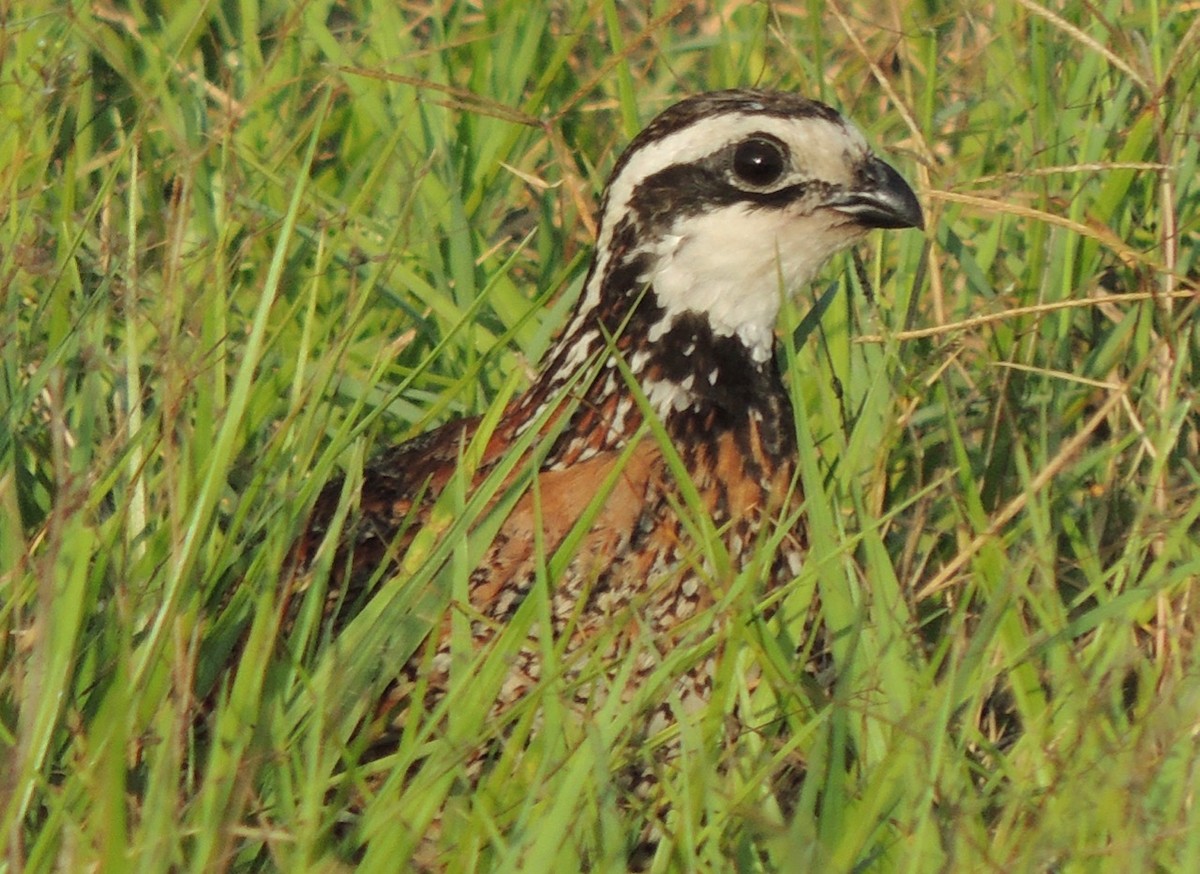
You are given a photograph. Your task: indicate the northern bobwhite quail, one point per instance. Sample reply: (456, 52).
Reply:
(724, 204)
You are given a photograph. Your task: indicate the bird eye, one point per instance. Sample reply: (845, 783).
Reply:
(758, 161)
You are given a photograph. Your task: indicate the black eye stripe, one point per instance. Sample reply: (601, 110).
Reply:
(688, 189)
(755, 169)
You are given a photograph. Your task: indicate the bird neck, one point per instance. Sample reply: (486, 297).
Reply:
(700, 383)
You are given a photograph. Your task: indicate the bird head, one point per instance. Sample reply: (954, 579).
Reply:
(730, 200)
(724, 205)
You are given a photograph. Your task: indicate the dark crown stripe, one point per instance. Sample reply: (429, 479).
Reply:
(767, 104)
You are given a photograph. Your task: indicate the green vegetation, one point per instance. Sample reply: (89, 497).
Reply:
(245, 243)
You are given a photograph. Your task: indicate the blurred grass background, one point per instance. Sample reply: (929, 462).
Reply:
(246, 243)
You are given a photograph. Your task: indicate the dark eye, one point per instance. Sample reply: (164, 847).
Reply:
(759, 162)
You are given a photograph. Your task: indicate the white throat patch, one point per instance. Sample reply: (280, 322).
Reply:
(734, 265)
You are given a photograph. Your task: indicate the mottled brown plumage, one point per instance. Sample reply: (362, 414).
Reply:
(725, 203)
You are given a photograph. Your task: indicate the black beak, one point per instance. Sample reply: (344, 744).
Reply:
(882, 199)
